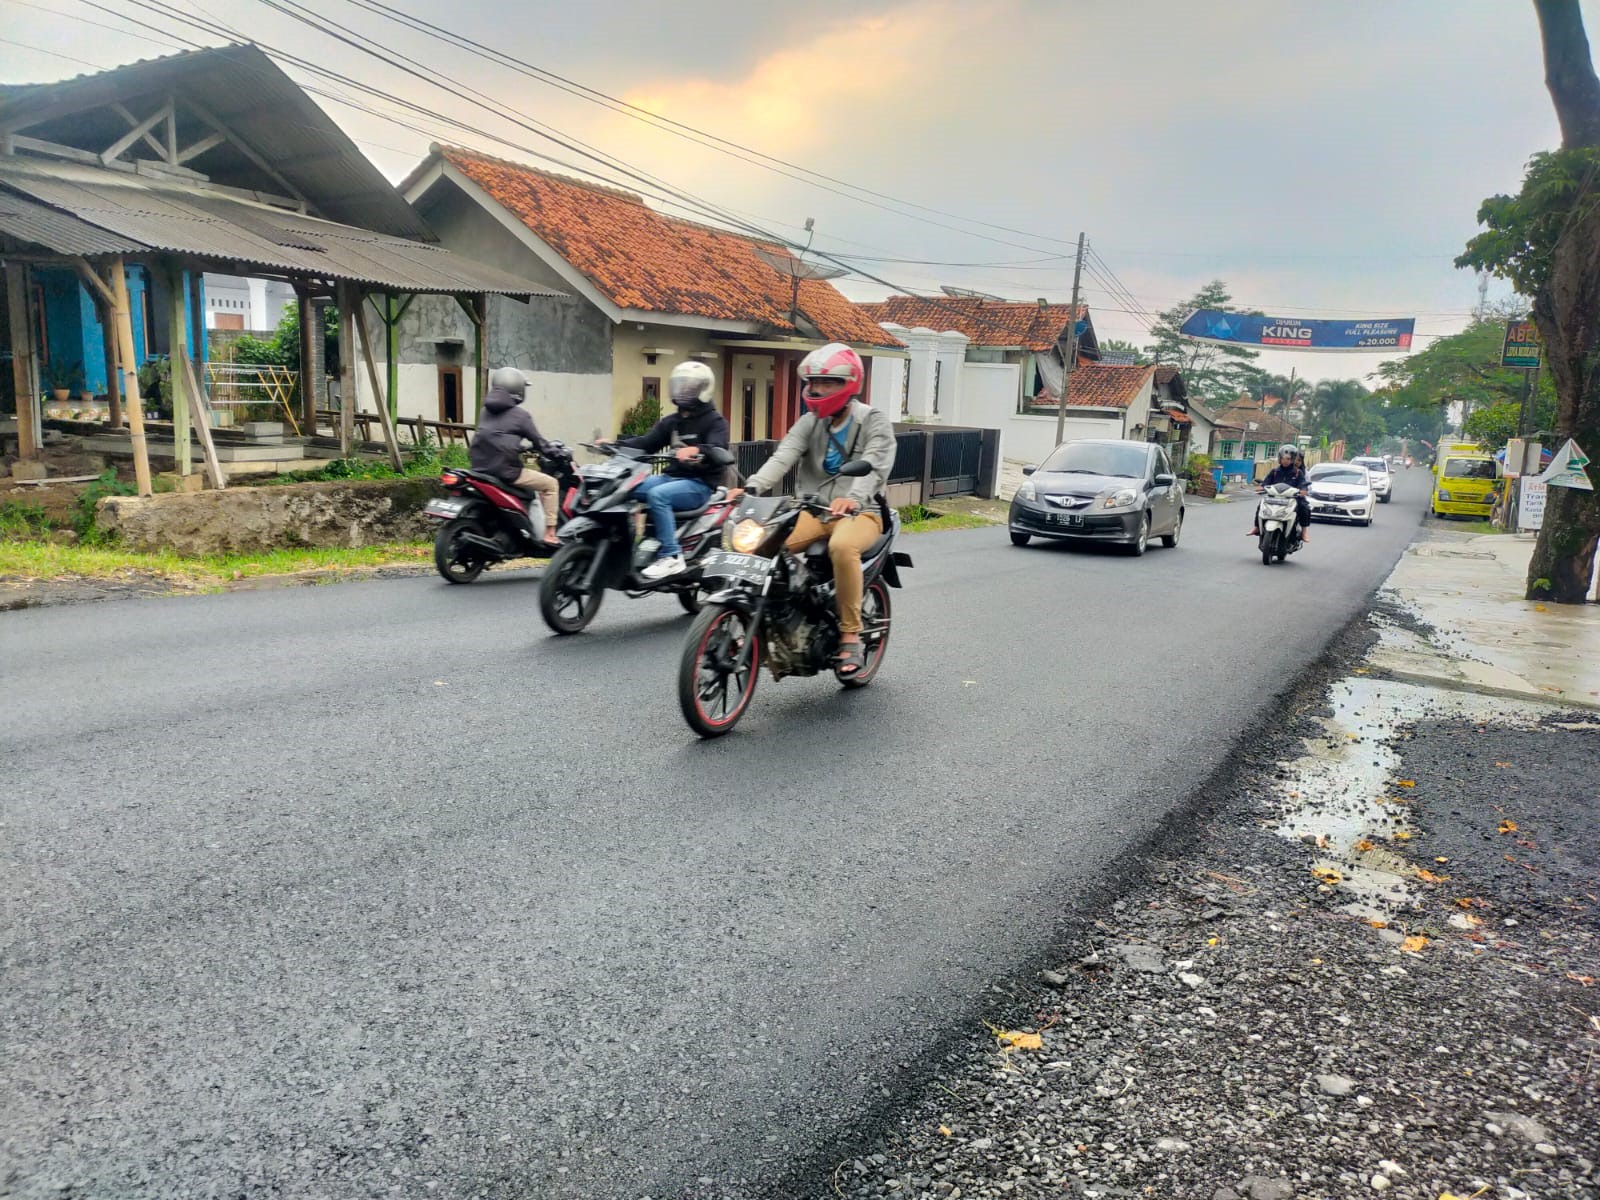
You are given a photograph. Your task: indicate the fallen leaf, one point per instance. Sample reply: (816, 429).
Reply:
(1414, 944)
(1364, 845)
(1500, 764)
(1441, 859)
(944, 1131)
(1585, 980)
(1428, 876)
(1212, 941)
(1405, 783)
(1327, 875)
(1021, 1041)
(1540, 608)
(1402, 835)
(1378, 924)
(1508, 826)
(1359, 671)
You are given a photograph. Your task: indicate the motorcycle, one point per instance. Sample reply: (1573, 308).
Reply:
(1277, 523)
(601, 550)
(776, 609)
(487, 521)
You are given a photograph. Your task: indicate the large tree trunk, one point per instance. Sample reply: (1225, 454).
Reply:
(1567, 311)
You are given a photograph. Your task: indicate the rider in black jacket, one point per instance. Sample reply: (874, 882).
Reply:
(1291, 470)
(497, 446)
(693, 424)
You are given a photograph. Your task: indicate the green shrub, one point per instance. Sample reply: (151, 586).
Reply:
(83, 513)
(641, 417)
(23, 519)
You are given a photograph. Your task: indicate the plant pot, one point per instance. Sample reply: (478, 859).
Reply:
(61, 395)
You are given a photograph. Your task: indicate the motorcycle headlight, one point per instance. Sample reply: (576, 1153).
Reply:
(1122, 499)
(746, 536)
(1027, 491)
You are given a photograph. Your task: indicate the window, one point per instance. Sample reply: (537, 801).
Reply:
(651, 390)
(938, 372)
(1163, 467)
(1469, 468)
(1227, 449)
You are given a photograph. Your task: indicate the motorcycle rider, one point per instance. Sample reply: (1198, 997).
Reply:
(1291, 470)
(836, 428)
(496, 448)
(689, 480)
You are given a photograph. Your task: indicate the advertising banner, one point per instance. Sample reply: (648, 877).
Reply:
(1522, 345)
(1530, 504)
(1295, 333)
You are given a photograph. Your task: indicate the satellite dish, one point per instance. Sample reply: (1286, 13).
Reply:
(956, 293)
(790, 266)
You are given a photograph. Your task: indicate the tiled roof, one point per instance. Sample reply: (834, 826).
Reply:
(1097, 386)
(1035, 327)
(639, 259)
(1268, 426)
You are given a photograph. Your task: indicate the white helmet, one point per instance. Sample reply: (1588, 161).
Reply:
(509, 380)
(691, 383)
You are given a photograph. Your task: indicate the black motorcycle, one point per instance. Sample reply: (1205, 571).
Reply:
(485, 520)
(776, 609)
(602, 550)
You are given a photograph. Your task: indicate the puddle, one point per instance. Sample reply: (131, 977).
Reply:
(1341, 794)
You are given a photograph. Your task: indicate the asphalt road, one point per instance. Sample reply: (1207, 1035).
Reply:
(379, 889)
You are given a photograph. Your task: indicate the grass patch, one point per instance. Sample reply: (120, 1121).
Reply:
(44, 560)
(1473, 527)
(919, 518)
(421, 459)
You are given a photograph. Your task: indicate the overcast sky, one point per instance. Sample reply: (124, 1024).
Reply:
(1324, 159)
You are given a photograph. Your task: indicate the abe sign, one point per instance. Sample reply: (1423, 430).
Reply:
(1522, 346)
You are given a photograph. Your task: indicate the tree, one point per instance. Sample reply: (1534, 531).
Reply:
(1546, 241)
(1213, 373)
(1343, 410)
(1463, 369)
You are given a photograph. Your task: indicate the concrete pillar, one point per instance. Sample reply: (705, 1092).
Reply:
(24, 361)
(178, 348)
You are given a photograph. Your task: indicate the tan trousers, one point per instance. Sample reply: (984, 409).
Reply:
(848, 538)
(546, 487)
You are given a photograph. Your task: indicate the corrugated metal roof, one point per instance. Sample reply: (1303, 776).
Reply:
(249, 94)
(36, 225)
(151, 214)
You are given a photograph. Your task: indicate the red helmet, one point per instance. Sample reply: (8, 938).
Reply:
(833, 363)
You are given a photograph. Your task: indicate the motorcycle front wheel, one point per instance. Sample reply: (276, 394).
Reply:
(563, 605)
(874, 632)
(453, 556)
(714, 692)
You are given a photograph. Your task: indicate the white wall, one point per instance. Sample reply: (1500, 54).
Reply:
(1029, 439)
(888, 384)
(566, 407)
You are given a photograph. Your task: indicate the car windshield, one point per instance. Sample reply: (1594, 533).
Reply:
(1341, 475)
(1371, 464)
(1099, 458)
(1469, 468)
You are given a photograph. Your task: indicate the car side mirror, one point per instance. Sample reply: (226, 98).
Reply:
(856, 469)
(1165, 480)
(1029, 470)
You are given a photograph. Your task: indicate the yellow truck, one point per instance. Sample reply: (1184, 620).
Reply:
(1463, 481)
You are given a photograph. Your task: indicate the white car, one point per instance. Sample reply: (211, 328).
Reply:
(1341, 492)
(1378, 468)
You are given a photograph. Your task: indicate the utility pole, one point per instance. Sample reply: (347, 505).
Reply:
(1072, 353)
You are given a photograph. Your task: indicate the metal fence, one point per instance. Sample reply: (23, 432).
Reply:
(943, 460)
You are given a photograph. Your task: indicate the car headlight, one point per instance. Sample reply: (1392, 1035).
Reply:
(1443, 495)
(1123, 499)
(1027, 491)
(746, 536)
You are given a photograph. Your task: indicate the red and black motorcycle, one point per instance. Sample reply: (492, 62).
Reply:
(488, 521)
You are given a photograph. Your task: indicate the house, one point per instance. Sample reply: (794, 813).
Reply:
(236, 302)
(1202, 424)
(943, 333)
(1247, 437)
(1139, 403)
(644, 292)
(121, 192)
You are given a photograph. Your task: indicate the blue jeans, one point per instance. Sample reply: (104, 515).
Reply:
(664, 493)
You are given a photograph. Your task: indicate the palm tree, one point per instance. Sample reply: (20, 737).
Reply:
(1340, 408)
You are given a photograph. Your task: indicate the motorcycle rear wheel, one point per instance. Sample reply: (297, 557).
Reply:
(450, 557)
(712, 692)
(874, 612)
(565, 609)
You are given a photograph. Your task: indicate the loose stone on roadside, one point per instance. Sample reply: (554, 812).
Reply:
(1336, 1085)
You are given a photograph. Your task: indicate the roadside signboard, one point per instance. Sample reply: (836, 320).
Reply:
(1530, 504)
(1522, 346)
(1566, 469)
(1296, 333)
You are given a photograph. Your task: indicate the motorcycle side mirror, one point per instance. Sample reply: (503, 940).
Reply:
(855, 469)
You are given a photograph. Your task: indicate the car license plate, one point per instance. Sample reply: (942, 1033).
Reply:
(444, 508)
(751, 568)
(1065, 518)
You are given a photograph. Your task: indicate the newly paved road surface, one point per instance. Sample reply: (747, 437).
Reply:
(379, 889)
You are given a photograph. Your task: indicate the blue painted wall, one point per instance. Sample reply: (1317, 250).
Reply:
(72, 324)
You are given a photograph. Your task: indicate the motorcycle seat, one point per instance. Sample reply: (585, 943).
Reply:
(689, 514)
(493, 481)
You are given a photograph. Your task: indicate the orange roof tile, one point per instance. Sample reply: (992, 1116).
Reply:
(1097, 386)
(1035, 327)
(639, 259)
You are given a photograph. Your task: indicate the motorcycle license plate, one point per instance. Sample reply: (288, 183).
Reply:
(444, 508)
(750, 568)
(1065, 518)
